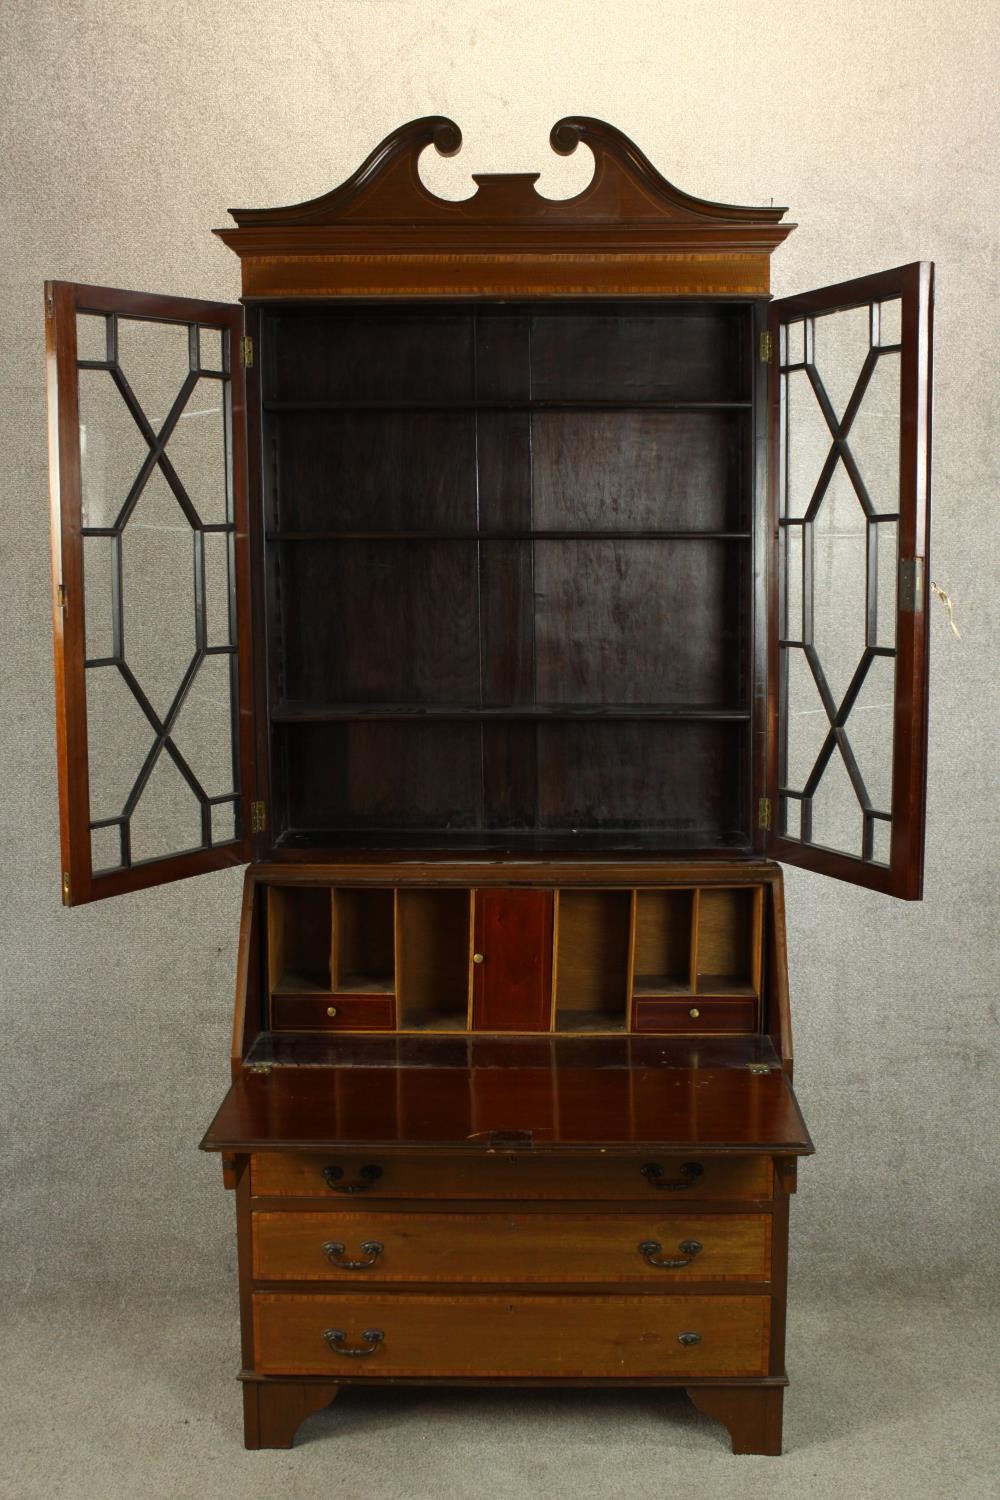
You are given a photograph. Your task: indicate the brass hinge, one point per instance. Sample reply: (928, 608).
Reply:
(911, 584)
(61, 595)
(766, 348)
(764, 813)
(258, 817)
(65, 888)
(50, 306)
(246, 351)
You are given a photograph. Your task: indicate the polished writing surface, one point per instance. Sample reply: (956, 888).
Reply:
(576, 1105)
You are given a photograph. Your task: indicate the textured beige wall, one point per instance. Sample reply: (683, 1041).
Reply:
(129, 130)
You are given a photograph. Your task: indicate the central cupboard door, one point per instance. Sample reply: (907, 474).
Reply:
(512, 961)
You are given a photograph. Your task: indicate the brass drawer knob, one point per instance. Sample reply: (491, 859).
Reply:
(689, 1338)
(334, 1252)
(478, 958)
(694, 1012)
(331, 1011)
(651, 1252)
(335, 1338)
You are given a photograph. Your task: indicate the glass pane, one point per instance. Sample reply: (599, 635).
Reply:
(197, 450)
(836, 813)
(202, 729)
(874, 436)
(224, 823)
(841, 341)
(881, 841)
(112, 449)
(218, 624)
(807, 441)
(91, 336)
(789, 817)
(119, 737)
(106, 849)
(791, 619)
(167, 819)
(98, 593)
(869, 729)
(793, 343)
(211, 343)
(158, 593)
(890, 322)
(154, 360)
(886, 572)
(839, 564)
(808, 724)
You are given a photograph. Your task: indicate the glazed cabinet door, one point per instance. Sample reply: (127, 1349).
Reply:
(850, 489)
(147, 452)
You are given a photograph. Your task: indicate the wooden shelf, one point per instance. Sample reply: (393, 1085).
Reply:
(360, 984)
(705, 842)
(269, 405)
(660, 984)
(579, 535)
(590, 1022)
(291, 983)
(723, 985)
(333, 713)
(435, 1020)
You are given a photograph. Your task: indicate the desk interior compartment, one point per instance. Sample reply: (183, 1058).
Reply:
(593, 936)
(433, 959)
(728, 941)
(299, 930)
(664, 931)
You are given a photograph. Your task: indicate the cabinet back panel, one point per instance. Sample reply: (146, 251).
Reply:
(369, 622)
(637, 622)
(384, 775)
(635, 470)
(653, 354)
(682, 777)
(374, 471)
(570, 779)
(319, 354)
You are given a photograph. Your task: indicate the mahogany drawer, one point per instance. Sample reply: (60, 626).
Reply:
(421, 1334)
(694, 1013)
(333, 1012)
(515, 1248)
(504, 1175)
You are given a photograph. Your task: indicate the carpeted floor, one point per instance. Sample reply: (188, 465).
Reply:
(889, 1398)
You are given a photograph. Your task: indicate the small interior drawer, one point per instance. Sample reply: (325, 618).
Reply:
(695, 1014)
(333, 1012)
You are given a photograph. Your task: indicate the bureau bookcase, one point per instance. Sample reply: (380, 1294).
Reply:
(509, 583)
